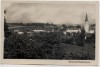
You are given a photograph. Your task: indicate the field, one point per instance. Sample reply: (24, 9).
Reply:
(78, 50)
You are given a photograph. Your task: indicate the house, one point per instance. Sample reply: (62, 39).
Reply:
(92, 29)
(72, 30)
(39, 31)
(49, 28)
(29, 33)
(18, 32)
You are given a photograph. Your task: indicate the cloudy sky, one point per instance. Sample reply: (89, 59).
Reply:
(53, 12)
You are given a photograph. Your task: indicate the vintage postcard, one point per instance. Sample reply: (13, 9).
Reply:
(49, 32)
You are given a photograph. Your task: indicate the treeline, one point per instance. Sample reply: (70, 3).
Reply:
(41, 24)
(29, 24)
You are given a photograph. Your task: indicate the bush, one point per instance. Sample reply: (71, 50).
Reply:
(43, 45)
(69, 40)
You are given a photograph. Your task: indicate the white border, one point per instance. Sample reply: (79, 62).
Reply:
(49, 0)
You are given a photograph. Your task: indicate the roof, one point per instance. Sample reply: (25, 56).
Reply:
(73, 28)
(92, 28)
(86, 18)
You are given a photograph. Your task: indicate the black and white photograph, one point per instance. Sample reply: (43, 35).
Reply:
(50, 30)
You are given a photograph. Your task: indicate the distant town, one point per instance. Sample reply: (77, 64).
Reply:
(31, 28)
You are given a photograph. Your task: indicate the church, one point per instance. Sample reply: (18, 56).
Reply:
(87, 26)
(89, 29)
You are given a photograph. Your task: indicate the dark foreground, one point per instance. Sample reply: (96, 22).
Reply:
(48, 46)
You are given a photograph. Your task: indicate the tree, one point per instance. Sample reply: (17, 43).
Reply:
(6, 30)
(64, 27)
(81, 38)
(82, 35)
(78, 26)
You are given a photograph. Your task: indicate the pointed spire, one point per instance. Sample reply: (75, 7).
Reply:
(86, 18)
(5, 11)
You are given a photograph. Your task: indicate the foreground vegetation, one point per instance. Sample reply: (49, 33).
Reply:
(48, 46)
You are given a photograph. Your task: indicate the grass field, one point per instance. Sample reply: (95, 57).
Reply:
(77, 50)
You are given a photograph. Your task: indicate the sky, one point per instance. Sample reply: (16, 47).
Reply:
(51, 12)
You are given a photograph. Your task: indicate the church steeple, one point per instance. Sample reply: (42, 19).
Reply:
(86, 25)
(86, 18)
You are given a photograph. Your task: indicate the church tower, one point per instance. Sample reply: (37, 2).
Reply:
(86, 25)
